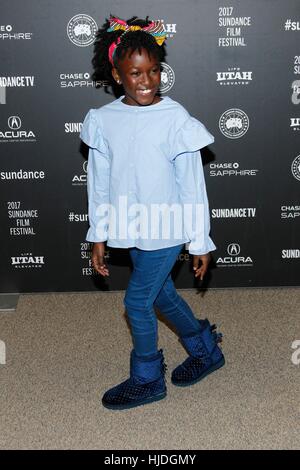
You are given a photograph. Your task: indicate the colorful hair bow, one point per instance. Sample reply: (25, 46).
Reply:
(155, 28)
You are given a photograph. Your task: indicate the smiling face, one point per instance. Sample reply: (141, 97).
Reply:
(140, 77)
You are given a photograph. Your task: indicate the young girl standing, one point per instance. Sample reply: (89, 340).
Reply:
(147, 193)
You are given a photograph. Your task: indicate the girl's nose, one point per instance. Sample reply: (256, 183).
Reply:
(146, 81)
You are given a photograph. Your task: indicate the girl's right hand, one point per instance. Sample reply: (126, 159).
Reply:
(98, 258)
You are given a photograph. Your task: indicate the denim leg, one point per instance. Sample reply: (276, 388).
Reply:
(151, 268)
(176, 310)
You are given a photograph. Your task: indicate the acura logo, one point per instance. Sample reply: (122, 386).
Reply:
(233, 249)
(14, 122)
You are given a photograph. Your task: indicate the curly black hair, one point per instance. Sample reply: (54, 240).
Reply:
(131, 41)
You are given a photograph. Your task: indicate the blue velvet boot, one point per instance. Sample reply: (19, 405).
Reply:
(205, 356)
(145, 384)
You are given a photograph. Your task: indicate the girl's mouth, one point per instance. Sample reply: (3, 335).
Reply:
(146, 92)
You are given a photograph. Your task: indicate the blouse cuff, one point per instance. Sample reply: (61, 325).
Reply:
(194, 248)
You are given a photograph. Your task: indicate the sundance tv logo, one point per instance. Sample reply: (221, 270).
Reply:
(15, 133)
(16, 81)
(234, 258)
(237, 212)
(81, 30)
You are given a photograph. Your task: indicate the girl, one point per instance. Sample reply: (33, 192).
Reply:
(147, 193)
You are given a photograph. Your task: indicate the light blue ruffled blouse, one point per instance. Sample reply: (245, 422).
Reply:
(145, 179)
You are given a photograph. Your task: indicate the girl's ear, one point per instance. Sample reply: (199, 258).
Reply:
(116, 75)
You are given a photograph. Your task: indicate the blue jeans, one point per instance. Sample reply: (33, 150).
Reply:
(151, 285)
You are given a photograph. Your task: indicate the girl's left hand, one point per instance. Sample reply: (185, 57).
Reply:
(205, 259)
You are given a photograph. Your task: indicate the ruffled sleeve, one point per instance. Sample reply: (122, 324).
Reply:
(98, 172)
(191, 136)
(91, 133)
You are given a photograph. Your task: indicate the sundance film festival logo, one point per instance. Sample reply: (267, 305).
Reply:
(234, 76)
(167, 76)
(81, 30)
(80, 180)
(234, 123)
(295, 168)
(21, 219)
(230, 169)
(296, 68)
(85, 255)
(15, 133)
(234, 258)
(27, 260)
(6, 32)
(233, 27)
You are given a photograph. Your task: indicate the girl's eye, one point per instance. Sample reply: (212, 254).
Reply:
(136, 73)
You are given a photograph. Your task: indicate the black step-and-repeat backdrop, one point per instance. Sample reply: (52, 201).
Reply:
(234, 65)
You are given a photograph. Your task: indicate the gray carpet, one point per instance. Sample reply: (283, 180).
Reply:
(65, 350)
